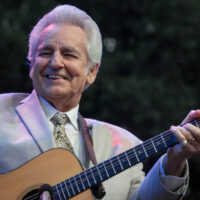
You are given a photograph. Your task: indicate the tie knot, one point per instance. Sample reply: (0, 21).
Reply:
(59, 119)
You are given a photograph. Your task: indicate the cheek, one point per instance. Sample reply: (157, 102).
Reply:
(73, 70)
(38, 67)
(77, 69)
(34, 72)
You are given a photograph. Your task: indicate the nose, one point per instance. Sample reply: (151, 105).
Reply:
(56, 61)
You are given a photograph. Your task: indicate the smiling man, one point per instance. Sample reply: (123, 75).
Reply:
(65, 51)
(60, 70)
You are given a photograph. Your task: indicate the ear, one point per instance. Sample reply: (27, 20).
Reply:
(31, 72)
(91, 76)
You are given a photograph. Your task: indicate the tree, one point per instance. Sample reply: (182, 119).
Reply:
(149, 76)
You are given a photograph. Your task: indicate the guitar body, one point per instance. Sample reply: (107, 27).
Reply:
(56, 165)
(51, 167)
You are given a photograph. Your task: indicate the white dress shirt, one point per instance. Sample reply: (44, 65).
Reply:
(72, 129)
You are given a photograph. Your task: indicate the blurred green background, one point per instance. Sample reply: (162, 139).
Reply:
(149, 77)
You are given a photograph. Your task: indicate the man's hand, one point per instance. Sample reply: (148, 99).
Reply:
(189, 144)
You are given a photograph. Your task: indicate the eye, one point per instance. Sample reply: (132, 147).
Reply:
(70, 55)
(44, 53)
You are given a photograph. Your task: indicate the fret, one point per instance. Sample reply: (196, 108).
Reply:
(136, 155)
(76, 184)
(95, 181)
(90, 177)
(112, 166)
(105, 169)
(158, 143)
(163, 141)
(115, 164)
(101, 178)
(97, 176)
(66, 189)
(120, 163)
(71, 186)
(55, 194)
(82, 182)
(157, 140)
(87, 179)
(124, 161)
(56, 186)
(149, 148)
(140, 152)
(132, 157)
(79, 183)
(127, 158)
(109, 168)
(153, 145)
(144, 150)
(62, 191)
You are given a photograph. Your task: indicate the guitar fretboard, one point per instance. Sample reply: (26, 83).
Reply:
(116, 164)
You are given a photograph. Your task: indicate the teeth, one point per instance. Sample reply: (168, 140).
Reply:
(54, 76)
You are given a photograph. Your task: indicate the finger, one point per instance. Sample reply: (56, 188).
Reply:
(193, 130)
(177, 132)
(187, 134)
(186, 144)
(192, 115)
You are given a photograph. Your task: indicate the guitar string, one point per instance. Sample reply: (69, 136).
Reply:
(68, 187)
(36, 195)
(115, 162)
(94, 173)
(166, 136)
(100, 170)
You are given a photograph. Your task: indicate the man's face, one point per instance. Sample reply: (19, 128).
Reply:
(60, 68)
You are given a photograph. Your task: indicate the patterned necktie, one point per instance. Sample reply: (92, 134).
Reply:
(59, 120)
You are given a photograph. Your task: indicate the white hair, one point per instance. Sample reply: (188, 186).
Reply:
(67, 14)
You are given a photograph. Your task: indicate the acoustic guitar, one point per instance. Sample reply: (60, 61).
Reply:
(50, 167)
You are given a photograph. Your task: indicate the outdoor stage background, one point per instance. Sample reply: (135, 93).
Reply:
(149, 76)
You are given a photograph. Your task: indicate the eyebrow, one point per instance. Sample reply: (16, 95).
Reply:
(64, 48)
(45, 47)
(70, 50)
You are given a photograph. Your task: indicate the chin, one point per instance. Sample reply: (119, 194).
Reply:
(57, 94)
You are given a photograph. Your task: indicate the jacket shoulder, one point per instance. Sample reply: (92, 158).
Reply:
(11, 99)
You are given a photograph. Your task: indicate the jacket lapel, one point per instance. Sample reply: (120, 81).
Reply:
(33, 117)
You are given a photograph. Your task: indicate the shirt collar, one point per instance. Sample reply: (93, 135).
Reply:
(50, 111)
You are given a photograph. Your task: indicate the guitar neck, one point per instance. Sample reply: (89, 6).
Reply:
(116, 164)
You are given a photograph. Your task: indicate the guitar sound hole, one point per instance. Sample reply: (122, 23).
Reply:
(33, 194)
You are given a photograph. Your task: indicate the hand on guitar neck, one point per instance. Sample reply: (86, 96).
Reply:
(188, 136)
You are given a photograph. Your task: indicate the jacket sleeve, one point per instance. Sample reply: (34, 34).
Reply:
(152, 187)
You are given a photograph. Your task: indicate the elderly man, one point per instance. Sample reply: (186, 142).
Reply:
(65, 50)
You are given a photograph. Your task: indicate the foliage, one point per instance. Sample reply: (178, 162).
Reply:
(149, 77)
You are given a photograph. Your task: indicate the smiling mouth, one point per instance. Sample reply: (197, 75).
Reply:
(55, 77)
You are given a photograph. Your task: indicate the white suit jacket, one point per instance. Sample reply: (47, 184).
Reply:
(24, 134)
